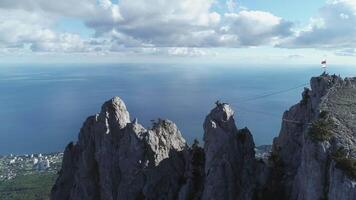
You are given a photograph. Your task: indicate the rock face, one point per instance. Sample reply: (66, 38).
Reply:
(116, 159)
(314, 156)
(314, 153)
(230, 157)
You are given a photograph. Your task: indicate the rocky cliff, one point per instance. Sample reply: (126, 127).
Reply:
(314, 153)
(314, 156)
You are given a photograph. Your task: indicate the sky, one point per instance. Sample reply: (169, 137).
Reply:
(221, 31)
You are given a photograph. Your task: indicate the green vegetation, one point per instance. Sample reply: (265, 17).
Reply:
(36, 186)
(323, 114)
(320, 130)
(345, 163)
(198, 156)
(195, 144)
(159, 123)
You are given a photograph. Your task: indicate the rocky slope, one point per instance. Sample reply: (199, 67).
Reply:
(312, 158)
(314, 153)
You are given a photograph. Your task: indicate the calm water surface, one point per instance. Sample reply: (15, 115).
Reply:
(42, 107)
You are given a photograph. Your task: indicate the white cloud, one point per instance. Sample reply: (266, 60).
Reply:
(186, 23)
(254, 28)
(22, 29)
(184, 26)
(184, 51)
(31, 24)
(157, 22)
(74, 8)
(64, 42)
(176, 28)
(346, 52)
(332, 28)
(295, 56)
(17, 28)
(344, 16)
(232, 6)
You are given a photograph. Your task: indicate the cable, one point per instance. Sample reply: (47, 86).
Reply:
(258, 112)
(273, 93)
(268, 95)
(271, 115)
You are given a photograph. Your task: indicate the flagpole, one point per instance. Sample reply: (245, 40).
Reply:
(324, 65)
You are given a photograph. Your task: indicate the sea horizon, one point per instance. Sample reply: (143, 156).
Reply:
(51, 102)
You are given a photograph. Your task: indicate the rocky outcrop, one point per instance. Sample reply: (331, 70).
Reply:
(314, 156)
(314, 152)
(118, 159)
(230, 157)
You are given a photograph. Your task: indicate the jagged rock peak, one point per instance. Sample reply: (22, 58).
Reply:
(163, 138)
(222, 116)
(115, 108)
(222, 112)
(116, 159)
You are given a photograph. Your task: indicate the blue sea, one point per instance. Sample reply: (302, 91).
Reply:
(42, 107)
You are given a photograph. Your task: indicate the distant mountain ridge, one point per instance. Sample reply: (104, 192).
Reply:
(314, 156)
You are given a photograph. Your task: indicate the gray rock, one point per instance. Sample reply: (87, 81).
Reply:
(230, 157)
(306, 159)
(115, 159)
(314, 156)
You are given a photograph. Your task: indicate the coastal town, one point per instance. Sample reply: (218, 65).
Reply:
(12, 166)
